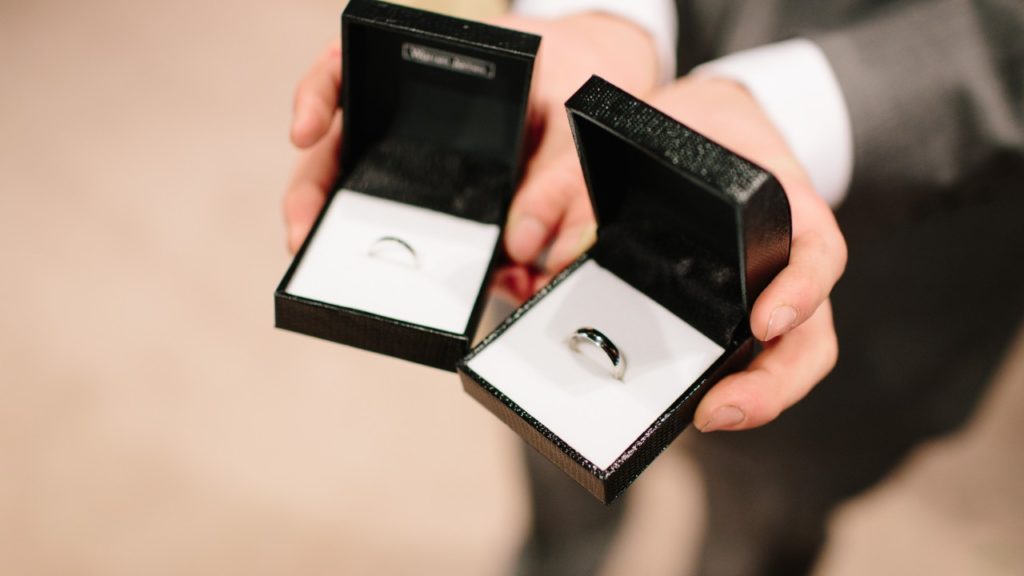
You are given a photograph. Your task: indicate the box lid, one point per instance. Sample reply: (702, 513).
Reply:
(434, 108)
(697, 228)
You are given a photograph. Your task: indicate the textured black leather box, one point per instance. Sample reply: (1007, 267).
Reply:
(434, 116)
(688, 236)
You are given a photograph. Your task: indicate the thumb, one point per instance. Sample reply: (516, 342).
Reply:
(551, 200)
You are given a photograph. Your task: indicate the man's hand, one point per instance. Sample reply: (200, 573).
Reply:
(792, 316)
(572, 49)
(316, 130)
(551, 210)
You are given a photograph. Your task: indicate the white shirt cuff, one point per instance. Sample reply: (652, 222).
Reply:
(798, 91)
(657, 17)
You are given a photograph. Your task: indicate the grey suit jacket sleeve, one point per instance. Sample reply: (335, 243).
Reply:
(935, 91)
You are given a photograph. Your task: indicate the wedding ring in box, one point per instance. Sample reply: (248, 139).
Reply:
(434, 113)
(604, 367)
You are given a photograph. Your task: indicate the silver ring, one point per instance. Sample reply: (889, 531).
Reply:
(595, 338)
(381, 244)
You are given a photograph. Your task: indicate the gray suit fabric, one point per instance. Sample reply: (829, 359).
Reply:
(935, 88)
(933, 292)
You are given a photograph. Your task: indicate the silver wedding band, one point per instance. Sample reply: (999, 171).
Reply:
(384, 242)
(595, 338)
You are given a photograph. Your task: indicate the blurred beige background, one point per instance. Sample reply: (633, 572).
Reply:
(153, 422)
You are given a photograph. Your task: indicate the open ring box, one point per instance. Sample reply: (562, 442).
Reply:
(434, 113)
(688, 236)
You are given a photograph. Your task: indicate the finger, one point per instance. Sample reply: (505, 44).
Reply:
(781, 376)
(513, 283)
(316, 98)
(575, 235)
(541, 280)
(556, 139)
(314, 176)
(544, 198)
(817, 260)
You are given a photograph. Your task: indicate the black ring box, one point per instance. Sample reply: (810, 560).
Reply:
(688, 233)
(434, 112)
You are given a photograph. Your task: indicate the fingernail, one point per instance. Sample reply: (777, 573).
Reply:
(724, 417)
(587, 238)
(781, 320)
(524, 237)
(304, 117)
(296, 237)
(564, 252)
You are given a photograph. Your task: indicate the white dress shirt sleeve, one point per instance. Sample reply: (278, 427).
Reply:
(795, 85)
(657, 17)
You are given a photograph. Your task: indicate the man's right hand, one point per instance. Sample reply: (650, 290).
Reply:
(316, 131)
(573, 48)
